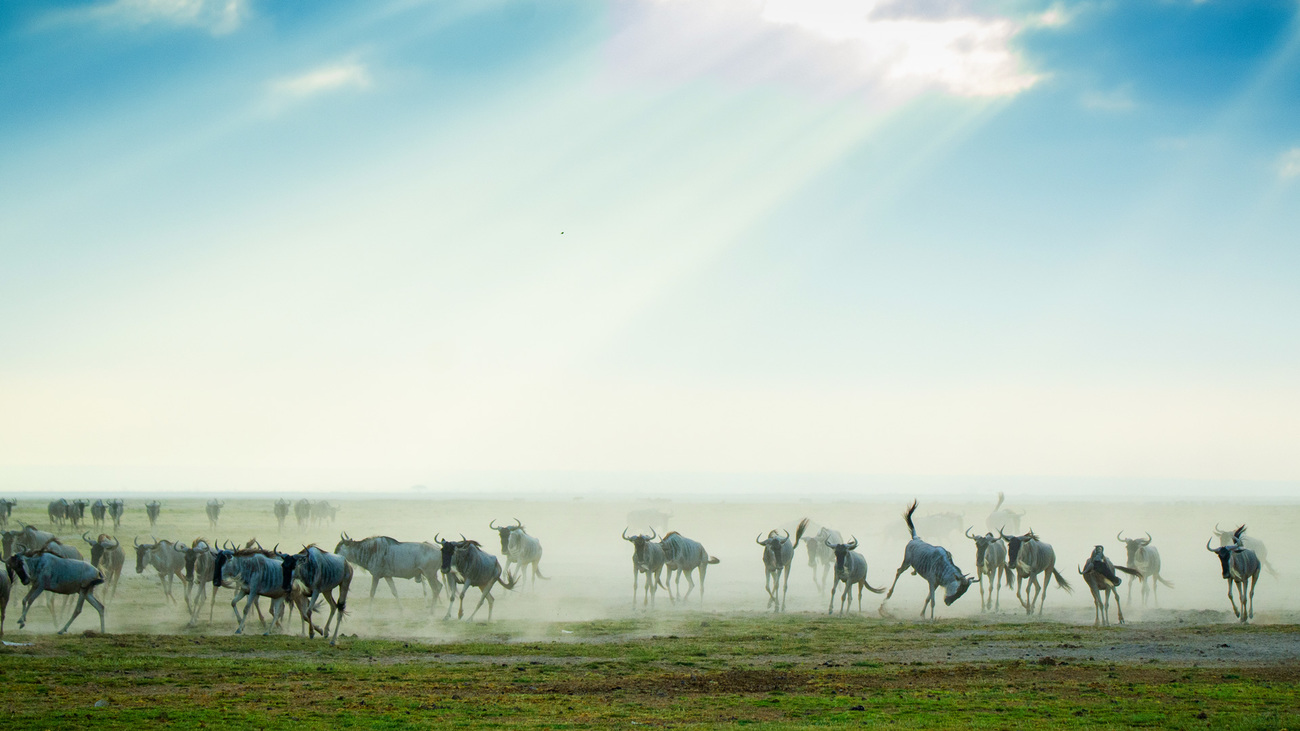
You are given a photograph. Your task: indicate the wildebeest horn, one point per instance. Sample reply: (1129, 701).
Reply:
(653, 534)
(84, 538)
(177, 548)
(519, 523)
(436, 540)
(1148, 541)
(344, 536)
(137, 540)
(625, 535)
(974, 581)
(463, 538)
(1207, 545)
(1217, 529)
(276, 549)
(493, 524)
(758, 541)
(828, 543)
(855, 543)
(787, 533)
(968, 535)
(1002, 535)
(1119, 536)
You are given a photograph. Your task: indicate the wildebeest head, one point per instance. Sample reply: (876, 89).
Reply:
(773, 543)
(954, 589)
(639, 542)
(1225, 556)
(841, 551)
(16, 566)
(448, 549)
(96, 548)
(1014, 543)
(287, 565)
(982, 544)
(142, 554)
(8, 540)
(504, 532)
(219, 563)
(1132, 545)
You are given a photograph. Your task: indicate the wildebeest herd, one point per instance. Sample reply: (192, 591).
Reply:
(310, 579)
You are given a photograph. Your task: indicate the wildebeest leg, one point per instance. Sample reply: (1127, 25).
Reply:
(27, 604)
(897, 574)
(374, 584)
(1235, 613)
(234, 603)
(1253, 582)
(393, 587)
(703, 569)
(81, 599)
(859, 598)
(1031, 594)
(487, 596)
(929, 600)
(1119, 610)
(834, 583)
(252, 597)
(785, 587)
(636, 576)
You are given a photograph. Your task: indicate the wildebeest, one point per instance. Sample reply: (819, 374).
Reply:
(58, 511)
(258, 573)
(851, 569)
(97, 512)
(1099, 574)
(520, 548)
(107, 555)
(214, 511)
(323, 511)
(388, 558)
(656, 520)
(684, 555)
(6, 508)
(167, 558)
(990, 561)
(77, 512)
(6, 584)
(1230, 537)
(1030, 556)
(44, 571)
(153, 508)
(819, 556)
(932, 563)
(1143, 557)
(324, 573)
(1241, 569)
(302, 512)
(115, 510)
(475, 567)
(281, 512)
(647, 558)
(1002, 519)
(26, 539)
(778, 554)
(937, 526)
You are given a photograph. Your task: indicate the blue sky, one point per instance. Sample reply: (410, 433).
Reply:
(296, 240)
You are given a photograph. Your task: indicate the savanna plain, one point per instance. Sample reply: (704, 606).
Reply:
(578, 649)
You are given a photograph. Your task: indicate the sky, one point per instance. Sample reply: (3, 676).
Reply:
(292, 243)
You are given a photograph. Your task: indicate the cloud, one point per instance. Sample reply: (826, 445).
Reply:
(1116, 100)
(885, 48)
(347, 75)
(1289, 164)
(216, 16)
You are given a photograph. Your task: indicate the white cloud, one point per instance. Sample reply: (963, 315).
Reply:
(893, 48)
(217, 16)
(347, 75)
(1289, 164)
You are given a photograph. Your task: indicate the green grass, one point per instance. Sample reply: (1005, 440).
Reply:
(733, 670)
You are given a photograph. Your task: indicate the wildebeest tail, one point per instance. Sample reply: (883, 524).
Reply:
(798, 532)
(1129, 571)
(1061, 582)
(908, 517)
(1161, 579)
(871, 588)
(537, 571)
(513, 581)
(714, 559)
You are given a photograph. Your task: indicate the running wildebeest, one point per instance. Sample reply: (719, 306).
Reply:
(97, 512)
(58, 511)
(990, 561)
(107, 555)
(323, 511)
(167, 558)
(655, 520)
(1099, 574)
(1003, 518)
(476, 568)
(27, 539)
(115, 510)
(259, 573)
(932, 563)
(302, 513)
(1241, 569)
(778, 554)
(153, 508)
(6, 508)
(200, 560)
(44, 572)
(647, 558)
(821, 556)
(214, 511)
(1143, 557)
(388, 558)
(684, 555)
(281, 512)
(6, 584)
(850, 568)
(520, 548)
(1030, 557)
(324, 573)
(1229, 538)
(77, 512)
